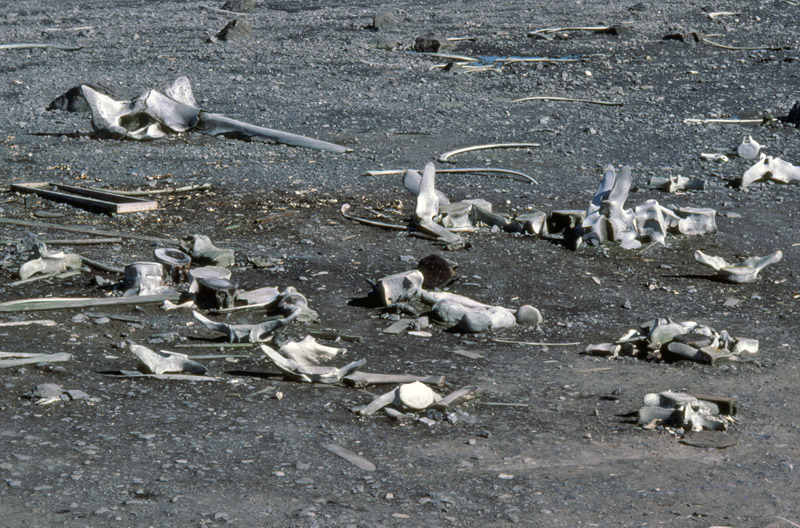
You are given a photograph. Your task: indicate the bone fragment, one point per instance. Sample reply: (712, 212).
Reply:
(749, 148)
(567, 99)
(680, 410)
(244, 333)
(458, 397)
(378, 403)
(719, 158)
(445, 158)
(206, 272)
(176, 263)
(372, 378)
(676, 183)
(309, 352)
(144, 278)
(412, 182)
(266, 296)
(214, 293)
(745, 271)
(162, 361)
(35, 359)
(650, 222)
(204, 252)
(357, 460)
(310, 373)
(49, 262)
(399, 287)
(428, 206)
(696, 221)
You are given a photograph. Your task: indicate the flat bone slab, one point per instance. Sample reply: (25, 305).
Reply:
(308, 352)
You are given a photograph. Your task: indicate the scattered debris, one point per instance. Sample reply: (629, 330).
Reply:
(742, 272)
(568, 99)
(64, 303)
(664, 340)
(682, 411)
(772, 169)
(154, 115)
(18, 359)
(91, 199)
(414, 398)
(466, 170)
(445, 158)
(608, 30)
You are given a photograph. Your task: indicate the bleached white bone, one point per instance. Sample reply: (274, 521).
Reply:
(428, 207)
(469, 314)
(621, 221)
(398, 287)
(650, 222)
(204, 252)
(745, 271)
(145, 278)
(162, 361)
(244, 333)
(309, 373)
(749, 148)
(308, 351)
(412, 181)
(49, 262)
(783, 171)
(416, 396)
(695, 221)
(206, 272)
(595, 225)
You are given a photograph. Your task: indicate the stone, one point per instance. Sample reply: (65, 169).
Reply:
(437, 272)
(528, 315)
(415, 396)
(432, 44)
(238, 29)
(144, 278)
(383, 21)
(239, 6)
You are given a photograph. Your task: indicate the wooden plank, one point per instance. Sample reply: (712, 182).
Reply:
(93, 200)
(44, 358)
(372, 378)
(85, 230)
(353, 458)
(62, 303)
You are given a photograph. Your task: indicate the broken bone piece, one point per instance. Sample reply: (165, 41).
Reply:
(696, 221)
(309, 373)
(49, 262)
(163, 361)
(308, 351)
(428, 206)
(176, 263)
(676, 183)
(470, 315)
(206, 272)
(144, 278)
(399, 287)
(412, 181)
(244, 333)
(215, 293)
(267, 295)
(745, 271)
(769, 168)
(293, 304)
(437, 272)
(650, 222)
(204, 252)
(719, 158)
(749, 148)
(45, 394)
(680, 410)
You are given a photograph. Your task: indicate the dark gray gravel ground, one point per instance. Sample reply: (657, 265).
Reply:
(156, 453)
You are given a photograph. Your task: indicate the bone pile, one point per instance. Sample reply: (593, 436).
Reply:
(681, 411)
(664, 340)
(607, 219)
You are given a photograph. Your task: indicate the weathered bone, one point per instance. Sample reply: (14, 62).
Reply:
(455, 215)
(159, 362)
(176, 263)
(144, 278)
(204, 252)
(206, 272)
(676, 183)
(399, 287)
(49, 262)
(534, 223)
(749, 148)
(267, 296)
(309, 373)
(621, 221)
(696, 221)
(469, 314)
(595, 225)
(428, 207)
(412, 181)
(680, 410)
(650, 222)
(308, 352)
(774, 169)
(745, 271)
(244, 333)
(154, 115)
(416, 396)
(216, 294)
(292, 304)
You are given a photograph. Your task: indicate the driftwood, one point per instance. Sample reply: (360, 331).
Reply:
(444, 158)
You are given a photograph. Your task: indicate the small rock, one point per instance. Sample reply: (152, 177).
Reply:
(383, 21)
(239, 29)
(240, 6)
(529, 315)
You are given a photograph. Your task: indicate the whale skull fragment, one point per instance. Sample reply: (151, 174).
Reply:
(156, 115)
